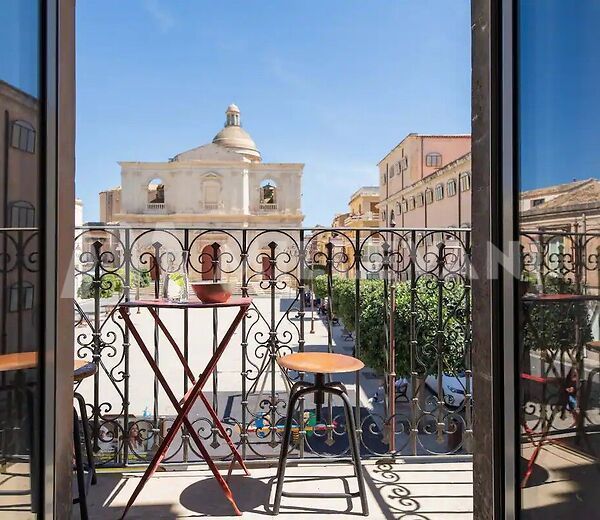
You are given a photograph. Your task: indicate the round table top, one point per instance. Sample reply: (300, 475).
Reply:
(320, 363)
(26, 360)
(18, 361)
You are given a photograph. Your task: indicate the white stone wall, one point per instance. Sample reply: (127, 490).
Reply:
(185, 183)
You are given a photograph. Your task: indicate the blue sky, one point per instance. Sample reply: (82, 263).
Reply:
(19, 44)
(332, 84)
(559, 91)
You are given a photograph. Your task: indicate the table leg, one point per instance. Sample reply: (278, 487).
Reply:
(187, 405)
(223, 432)
(191, 377)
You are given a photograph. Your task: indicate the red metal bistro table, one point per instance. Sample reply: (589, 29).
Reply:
(184, 405)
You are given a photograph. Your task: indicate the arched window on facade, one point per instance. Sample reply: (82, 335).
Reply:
(156, 191)
(20, 297)
(420, 200)
(451, 187)
(439, 191)
(433, 159)
(23, 136)
(392, 219)
(428, 196)
(22, 214)
(156, 196)
(268, 194)
(465, 181)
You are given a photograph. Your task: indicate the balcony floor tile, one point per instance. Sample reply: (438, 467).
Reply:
(430, 490)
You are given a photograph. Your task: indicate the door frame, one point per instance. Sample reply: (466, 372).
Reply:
(494, 203)
(58, 205)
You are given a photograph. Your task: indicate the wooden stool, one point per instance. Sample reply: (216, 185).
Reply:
(320, 363)
(82, 370)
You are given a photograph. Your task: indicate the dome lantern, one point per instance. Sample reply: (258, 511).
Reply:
(233, 116)
(234, 137)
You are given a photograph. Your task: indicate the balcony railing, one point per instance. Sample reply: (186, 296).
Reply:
(212, 206)
(268, 206)
(425, 340)
(368, 216)
(158, 208)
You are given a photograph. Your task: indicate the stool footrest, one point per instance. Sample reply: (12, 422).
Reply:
(319, 495)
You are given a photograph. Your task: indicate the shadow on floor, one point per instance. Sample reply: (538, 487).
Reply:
(250, 495)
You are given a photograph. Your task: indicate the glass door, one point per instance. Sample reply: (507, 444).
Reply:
(21, 293)
(558, 318)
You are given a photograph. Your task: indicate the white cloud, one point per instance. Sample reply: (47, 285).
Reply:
(161, 16)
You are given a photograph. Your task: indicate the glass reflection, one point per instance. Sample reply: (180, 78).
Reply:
(559, 372)
(19, 257)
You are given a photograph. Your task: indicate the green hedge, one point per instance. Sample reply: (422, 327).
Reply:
(373, 343)
(553, 325)
(112, 283)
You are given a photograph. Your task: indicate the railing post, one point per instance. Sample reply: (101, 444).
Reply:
(357, 353)
(392, 370)
(185, 436)
(244, 286)
(156, 260)
(301, 266)
(97, 286)
(216, 275)
(330, 260)
(273, 346)
(440, 343)
(468, 367)
(385, 266)
(127, 295)
(413, 344)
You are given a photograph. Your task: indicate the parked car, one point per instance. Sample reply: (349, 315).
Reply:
(453, 388)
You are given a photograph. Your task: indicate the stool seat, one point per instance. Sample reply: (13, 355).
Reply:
(320, 363)
(83, 369)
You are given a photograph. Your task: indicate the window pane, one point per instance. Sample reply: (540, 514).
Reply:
(20, 180)
(558, 331)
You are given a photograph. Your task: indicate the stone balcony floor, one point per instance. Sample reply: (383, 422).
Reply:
(407, 490)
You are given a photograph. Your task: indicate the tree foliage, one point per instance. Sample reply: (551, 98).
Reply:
(112, 283)
(438, 313)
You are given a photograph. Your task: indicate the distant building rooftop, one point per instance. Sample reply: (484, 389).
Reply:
(365, 190)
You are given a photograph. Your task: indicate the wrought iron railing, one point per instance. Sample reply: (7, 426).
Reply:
(559, 351)
(400, 299)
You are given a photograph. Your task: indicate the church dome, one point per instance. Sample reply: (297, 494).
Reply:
(234, 137)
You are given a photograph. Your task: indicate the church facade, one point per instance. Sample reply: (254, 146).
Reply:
(220, 184)
(217, 190)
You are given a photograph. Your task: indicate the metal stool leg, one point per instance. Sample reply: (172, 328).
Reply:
(81, 499)
(355, 448)
(86, 436)
(295, 394)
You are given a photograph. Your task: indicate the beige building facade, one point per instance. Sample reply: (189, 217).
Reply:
(363, 214)
(220, 185)
(560, 232)
(406, 181)
(440, 200)
(20, 287)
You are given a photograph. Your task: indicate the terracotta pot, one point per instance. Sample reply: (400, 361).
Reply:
(213, 292)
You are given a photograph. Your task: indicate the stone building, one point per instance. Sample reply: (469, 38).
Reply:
(561, 232)
(20, 287)
(424, 180)
(222, 184)
(362, 214)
